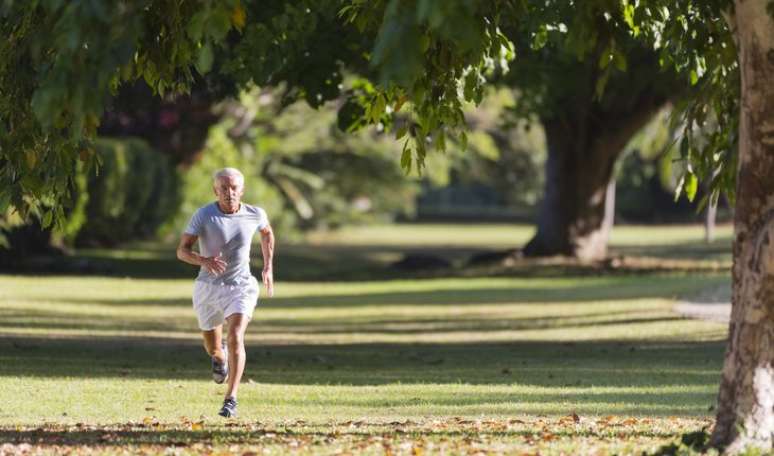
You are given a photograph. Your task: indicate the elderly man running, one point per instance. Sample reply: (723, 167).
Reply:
(225, 290)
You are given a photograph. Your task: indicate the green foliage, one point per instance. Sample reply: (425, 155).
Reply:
(650, 174)
(61, 60)
(299, 166)
(36, 168)
(9, 220)
(133, 193)
(506, 159)
(695, 39)
(301, 43)
(357, 176)
(76, 217)
(58, 66)
(435, 55)
(220, 152)
(692, 39)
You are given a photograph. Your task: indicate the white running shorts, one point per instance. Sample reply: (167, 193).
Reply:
(214, 303)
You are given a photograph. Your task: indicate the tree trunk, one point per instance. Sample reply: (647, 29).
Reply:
(574, 218)
(745, 416)
(576, 214)
(711, 212)
(709, 221)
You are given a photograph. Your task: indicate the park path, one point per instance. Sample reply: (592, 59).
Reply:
(712, 304)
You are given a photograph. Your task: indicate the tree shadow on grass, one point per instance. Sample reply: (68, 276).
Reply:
(51, 319)
(658, 378)
(303, 262)
(296, 263)
(118, 437)
(697, 250)
(587, 363)
(591, 289)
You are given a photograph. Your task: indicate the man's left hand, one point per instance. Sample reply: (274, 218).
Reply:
(268, 281)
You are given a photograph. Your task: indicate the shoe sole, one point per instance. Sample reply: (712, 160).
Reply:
(217, 377)
(220, 378)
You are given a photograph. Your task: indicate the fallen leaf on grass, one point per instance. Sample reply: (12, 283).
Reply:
(570, 419)
(606, 421)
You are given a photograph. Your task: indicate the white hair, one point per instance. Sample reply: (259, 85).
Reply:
(233, 172)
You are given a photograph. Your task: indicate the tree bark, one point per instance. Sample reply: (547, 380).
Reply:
(745, 416)
(572, 219)
(576, 214)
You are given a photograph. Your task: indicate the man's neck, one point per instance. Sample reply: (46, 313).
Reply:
(227, 211)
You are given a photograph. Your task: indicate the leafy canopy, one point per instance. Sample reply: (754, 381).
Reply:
(424, 59)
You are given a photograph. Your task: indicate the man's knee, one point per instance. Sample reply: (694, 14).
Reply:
(236, 335)
(236, 338)
(237, 324)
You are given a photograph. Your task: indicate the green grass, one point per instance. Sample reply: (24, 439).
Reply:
(449, 364)
(502, 235)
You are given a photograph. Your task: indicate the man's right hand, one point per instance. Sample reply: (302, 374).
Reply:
(214, 265)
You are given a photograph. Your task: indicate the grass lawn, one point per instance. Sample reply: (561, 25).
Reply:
(574, 364)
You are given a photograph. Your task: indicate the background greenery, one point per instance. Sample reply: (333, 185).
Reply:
(310, 175)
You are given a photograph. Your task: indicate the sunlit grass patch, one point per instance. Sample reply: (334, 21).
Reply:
(569, 363)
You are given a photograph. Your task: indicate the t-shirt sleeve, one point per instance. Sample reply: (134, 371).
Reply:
(195, 224)
(263, 219)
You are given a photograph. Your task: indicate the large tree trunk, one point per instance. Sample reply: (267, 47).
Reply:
(576, 213)
(745, 416)
(574, 218)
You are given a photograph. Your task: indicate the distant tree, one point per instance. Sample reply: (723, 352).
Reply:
(591, 94)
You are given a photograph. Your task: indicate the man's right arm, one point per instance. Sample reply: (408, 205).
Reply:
(214, 265)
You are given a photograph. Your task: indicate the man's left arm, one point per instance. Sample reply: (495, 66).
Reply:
(267, 249)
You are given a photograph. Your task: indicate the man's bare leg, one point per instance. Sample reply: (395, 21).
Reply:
(237, 324)
(213, 342)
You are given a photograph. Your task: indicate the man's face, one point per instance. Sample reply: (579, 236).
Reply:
(229, 190)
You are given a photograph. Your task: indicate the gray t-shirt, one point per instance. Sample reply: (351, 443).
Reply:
(231, 236)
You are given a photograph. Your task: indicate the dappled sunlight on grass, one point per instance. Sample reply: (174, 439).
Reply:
(433, 310)
(491, 346)
(513, 363)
